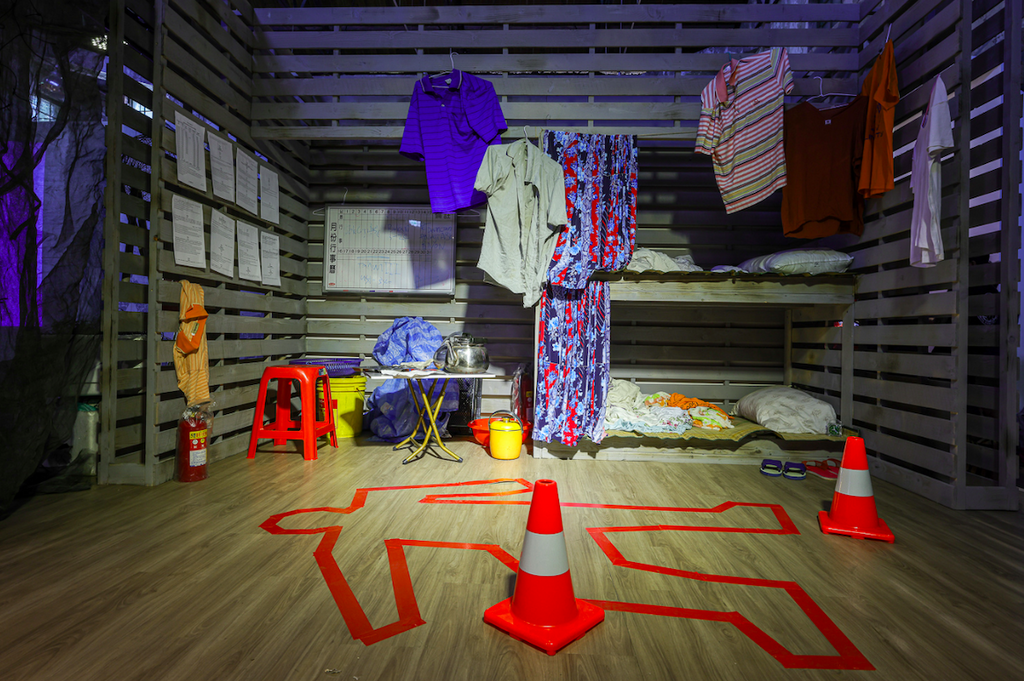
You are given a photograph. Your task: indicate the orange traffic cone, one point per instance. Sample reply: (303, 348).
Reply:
(543, 610)
(853, 510)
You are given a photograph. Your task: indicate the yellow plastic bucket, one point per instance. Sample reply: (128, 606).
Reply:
(348, 395)
(506, 433)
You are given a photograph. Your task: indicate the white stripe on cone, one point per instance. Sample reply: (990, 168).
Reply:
(854, 483)
(544, 554)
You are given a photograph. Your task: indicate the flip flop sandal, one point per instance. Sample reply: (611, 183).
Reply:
(822, 469)
(771, 467)
(794, 471)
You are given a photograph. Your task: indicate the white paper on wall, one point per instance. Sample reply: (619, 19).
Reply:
(188, 145)
(269, 195)
(246, 170)
(222, 244)
(222, 166)
(187, 228)
(270, 258)
(248, 252)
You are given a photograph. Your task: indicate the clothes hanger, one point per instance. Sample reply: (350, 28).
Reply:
(822, 93)
(320, 211)
(451, 56)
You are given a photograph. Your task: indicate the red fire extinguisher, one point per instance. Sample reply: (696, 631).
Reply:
(194, 431)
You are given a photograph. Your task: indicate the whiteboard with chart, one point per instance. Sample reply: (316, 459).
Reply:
(388, 249)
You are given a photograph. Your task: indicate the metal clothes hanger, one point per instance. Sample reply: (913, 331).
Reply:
(321, 211)
(822, 93)
(451, 56)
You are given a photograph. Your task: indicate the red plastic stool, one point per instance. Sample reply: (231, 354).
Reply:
(309, 428)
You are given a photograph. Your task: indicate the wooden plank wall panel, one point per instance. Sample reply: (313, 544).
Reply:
(342, 77)
(207, 77)
(993, 326)
(347, 73)
(920, 401)
(905, 341)
(122, 457)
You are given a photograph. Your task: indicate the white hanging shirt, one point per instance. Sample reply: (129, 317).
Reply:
(935, 137)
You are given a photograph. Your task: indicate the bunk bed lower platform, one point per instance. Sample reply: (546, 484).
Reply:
(747, 442)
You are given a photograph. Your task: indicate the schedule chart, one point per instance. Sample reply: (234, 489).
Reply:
(389, 249)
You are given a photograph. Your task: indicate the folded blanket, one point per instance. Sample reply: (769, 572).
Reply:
(709, 417)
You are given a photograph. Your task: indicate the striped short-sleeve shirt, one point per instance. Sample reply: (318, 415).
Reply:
(452, 120)
(741, 127)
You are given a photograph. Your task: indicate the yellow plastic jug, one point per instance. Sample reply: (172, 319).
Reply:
(506, 435)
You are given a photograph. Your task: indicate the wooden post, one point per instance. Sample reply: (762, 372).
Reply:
(787, 348)
(846, 368)
(963, 160)
(111, 240)
(152, 365)
(1009, 299)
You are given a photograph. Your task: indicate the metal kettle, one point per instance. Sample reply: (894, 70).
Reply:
(463, 354)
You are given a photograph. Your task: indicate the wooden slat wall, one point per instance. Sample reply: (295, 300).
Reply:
(913, 401)
(322, 93)
(347, 73)
(993, 301)
(207, 75)
(127, 251)
(906, 342)
(342, 77)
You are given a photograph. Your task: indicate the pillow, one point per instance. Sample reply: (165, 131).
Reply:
(786, 410)
(800, 261)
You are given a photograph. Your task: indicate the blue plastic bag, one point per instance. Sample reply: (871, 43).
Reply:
(392, 414)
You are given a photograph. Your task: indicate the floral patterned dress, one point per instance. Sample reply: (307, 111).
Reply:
(575, 324)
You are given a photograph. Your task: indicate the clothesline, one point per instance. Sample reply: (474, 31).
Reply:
(682, 133)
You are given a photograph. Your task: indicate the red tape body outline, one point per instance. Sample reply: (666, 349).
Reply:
(848, 657)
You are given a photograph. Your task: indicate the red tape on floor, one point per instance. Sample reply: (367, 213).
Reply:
(847, 657)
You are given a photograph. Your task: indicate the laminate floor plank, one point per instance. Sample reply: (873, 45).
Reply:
(180, 582)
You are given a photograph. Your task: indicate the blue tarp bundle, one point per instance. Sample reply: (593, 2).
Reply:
(391, 411)
(410, 339)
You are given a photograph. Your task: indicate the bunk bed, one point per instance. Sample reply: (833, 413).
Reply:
(747, 441)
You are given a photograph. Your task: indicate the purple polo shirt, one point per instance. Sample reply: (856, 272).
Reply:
(450, 128)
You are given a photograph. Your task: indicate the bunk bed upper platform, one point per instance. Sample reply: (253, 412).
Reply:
(730, 288)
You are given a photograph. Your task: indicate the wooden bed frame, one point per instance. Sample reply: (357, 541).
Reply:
(733, 290)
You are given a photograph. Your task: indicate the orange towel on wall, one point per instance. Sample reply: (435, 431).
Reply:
(191, 356)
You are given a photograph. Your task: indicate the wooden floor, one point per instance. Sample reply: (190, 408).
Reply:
(180, 581)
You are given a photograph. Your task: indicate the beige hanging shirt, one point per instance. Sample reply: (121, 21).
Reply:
(191, 355)
(525, 211)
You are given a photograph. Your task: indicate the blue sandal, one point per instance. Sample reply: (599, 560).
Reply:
(772, 467)
(794, 471)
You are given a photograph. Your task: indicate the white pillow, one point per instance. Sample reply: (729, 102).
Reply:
(800, 261)
(786, 410)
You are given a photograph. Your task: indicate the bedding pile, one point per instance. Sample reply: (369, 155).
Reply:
(631, 410)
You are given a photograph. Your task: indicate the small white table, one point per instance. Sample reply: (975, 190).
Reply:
(427, 411)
